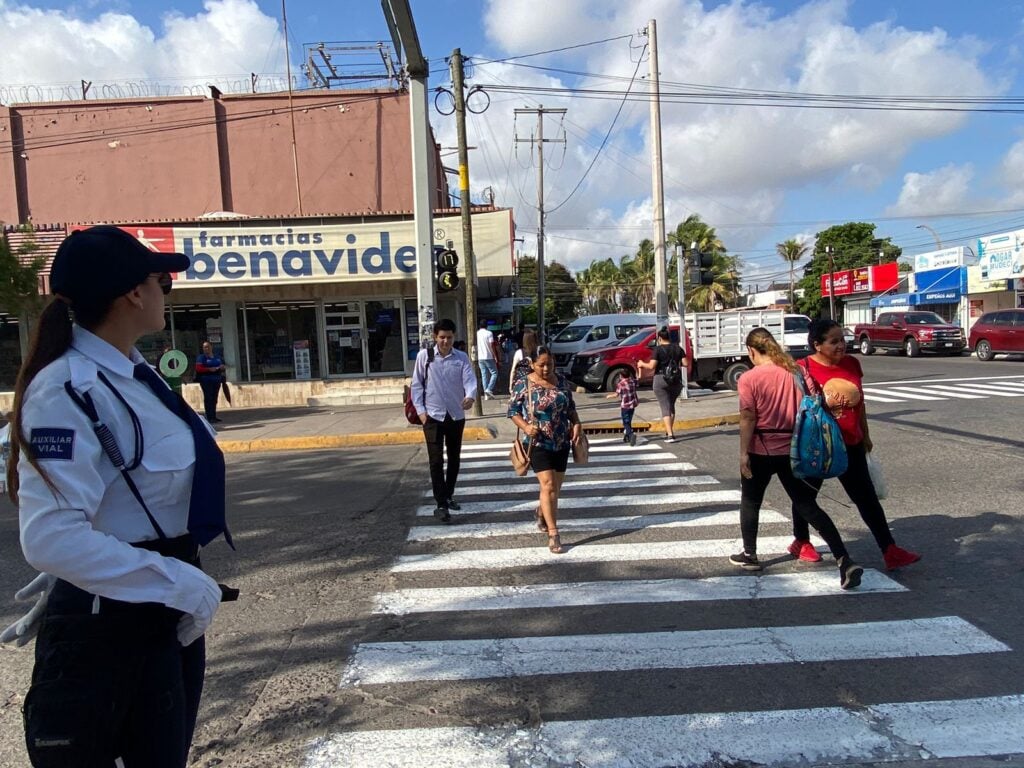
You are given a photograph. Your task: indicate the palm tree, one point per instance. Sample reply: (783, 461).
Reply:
(638, 274)
(792, 251)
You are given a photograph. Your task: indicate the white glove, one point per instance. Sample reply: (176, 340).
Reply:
(193, 625)
(25, 628)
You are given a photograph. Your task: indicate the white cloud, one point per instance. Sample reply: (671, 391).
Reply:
(944, 189)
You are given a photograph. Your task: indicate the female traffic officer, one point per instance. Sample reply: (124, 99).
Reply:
(118, 484)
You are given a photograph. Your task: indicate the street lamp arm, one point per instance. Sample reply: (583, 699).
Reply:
(938, 242)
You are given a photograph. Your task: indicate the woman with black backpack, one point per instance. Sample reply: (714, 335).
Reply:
(669, 364)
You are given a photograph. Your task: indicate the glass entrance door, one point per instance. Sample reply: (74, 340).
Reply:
(383, 319)
(345, 337)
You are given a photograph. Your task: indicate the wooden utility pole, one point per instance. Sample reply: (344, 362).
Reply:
(468, 259)
(540, 111)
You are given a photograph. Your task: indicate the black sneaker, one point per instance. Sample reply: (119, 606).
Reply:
(632, 438)
(453, 504)
(849, 573)
(745, 561)
(441, 513)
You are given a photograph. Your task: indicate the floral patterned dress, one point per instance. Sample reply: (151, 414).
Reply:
(551, 409)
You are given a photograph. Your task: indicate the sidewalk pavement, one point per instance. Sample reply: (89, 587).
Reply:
(251, 430)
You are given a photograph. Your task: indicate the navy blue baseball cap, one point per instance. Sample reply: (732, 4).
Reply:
(101, 263)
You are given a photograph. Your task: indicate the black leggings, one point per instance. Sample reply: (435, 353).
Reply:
(802, 495)
(211, 391)
(111, 684)
(856, 481)
(440, 435)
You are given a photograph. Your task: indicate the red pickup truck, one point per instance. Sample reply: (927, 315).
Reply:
(912, 332)
(598, 369)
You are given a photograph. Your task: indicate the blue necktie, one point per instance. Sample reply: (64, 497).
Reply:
(206, 518)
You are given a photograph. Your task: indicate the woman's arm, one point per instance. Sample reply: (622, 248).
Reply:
(748, 421)
(868, 445)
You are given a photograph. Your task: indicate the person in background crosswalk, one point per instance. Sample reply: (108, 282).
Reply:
(768, 406)
(840, 377)
(542, 406)
(625, 390)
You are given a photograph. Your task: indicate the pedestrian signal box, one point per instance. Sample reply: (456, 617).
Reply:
(446, 261)
(701, 264)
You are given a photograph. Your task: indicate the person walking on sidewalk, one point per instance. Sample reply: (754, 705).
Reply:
(769, 399)
(839, 376)
(542, 406)
(210, 374)
(669, 365)
(487, 355)
(443, 387)
(522, 361)
(625, 390)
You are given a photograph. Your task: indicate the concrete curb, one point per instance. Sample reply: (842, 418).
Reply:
(320, 442)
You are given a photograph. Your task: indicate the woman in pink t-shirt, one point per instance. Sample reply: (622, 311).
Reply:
(839, 377)
(768, 405)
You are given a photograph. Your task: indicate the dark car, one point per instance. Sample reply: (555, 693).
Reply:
(998, 332)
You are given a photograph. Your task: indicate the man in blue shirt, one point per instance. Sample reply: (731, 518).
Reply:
(443, 387)
(210, 373)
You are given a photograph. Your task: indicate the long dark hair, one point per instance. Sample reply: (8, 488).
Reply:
(50, 339)
(819, 330)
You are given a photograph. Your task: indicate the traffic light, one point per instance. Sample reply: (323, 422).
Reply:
(701, 268)
(446, 261)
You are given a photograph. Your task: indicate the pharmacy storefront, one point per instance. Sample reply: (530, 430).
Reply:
(307, 301)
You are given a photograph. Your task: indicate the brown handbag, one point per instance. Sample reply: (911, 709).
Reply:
(581, 450)
(520, 456)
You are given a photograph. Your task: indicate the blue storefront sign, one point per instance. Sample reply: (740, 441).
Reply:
(892, 300)
(939, 286)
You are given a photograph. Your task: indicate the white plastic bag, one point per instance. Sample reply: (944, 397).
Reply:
(877, 478)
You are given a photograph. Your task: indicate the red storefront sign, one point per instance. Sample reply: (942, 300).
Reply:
(878, 278)
(861, 279)
(885, 277)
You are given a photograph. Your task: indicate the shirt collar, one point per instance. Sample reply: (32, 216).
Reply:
(104, 353)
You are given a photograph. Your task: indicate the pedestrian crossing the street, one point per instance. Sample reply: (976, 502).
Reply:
(944, 389)
(628, 649)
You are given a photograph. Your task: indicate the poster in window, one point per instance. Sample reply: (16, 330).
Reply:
(300, 352)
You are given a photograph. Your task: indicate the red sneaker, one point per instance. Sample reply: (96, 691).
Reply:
(804, 550)
(897, 557)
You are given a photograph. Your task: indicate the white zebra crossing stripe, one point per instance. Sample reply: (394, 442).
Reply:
(815, 583)
(664, 468)
(951, 393)
(495, 657)
(968, 728)
(871, 397)
(1014, 386)
(593, 502)
(913, 394)
(528, 485)
(594, 449)
(525, 557)
(595, 458)
(976, 389)
(633, 522)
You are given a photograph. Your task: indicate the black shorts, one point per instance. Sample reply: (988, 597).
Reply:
(542, 459)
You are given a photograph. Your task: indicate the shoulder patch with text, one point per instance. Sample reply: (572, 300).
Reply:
(53, 443)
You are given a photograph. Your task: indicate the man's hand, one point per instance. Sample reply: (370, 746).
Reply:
(423, 418)
(467, 402)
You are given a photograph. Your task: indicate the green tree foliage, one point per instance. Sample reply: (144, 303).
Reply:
(562, 294)
(854, 245)
(19, 276)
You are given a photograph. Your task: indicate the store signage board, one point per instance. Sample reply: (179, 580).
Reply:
(881, 277)
(1000, 257)
(976, 285)
(947, 257)
(240, 253)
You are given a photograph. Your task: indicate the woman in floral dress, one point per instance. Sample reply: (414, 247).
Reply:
(541, 405)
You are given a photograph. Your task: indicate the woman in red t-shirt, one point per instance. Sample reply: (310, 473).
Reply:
(768, 405)
(839, 377)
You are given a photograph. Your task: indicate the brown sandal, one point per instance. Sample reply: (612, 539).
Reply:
(542, 524)
(555, 544)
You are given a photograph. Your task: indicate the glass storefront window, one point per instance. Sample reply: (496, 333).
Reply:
(270, 333)
(384, 335)
(190, 326)
(10, 351)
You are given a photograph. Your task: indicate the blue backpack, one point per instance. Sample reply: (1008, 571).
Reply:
(817, 449)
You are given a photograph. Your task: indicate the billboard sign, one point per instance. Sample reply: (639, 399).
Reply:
(1000, 256)
(947, 257)
(885, 277)
(976, 285)
(882, 277)
(861, 279)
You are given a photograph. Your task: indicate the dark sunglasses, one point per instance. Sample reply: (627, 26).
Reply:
(164, 281)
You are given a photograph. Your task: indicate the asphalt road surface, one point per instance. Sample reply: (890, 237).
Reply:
(368, 635)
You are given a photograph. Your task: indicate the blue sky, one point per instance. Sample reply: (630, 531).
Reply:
(759, 174)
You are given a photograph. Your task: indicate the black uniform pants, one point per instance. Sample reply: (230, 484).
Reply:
(211, 391)
(439, 436)
(111, 680)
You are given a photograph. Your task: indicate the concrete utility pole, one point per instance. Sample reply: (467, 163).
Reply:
(658, 186)
(680, 280)
(403, 34)
(540, 112)
(468, 259)
(830, 252)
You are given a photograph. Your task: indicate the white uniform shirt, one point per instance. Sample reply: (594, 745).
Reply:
(484, 344)
(80, 533)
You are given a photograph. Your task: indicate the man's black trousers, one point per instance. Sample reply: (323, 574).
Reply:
(441, 435)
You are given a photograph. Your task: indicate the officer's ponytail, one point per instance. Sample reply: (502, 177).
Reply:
(50, 339)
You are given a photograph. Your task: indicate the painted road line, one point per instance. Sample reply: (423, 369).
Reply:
(950, 392)
(582, 485)
(525, 557)
(620, 448)
(816, 583)
(592, 502)
(977, 389)
(1014, 386)
(623, 523)
(871, 397)
(908, 732)
(912, 393)
(497, 657)
(945, 380)
(599, 458)
(589, 469)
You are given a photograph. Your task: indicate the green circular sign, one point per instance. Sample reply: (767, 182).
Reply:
(173, 363)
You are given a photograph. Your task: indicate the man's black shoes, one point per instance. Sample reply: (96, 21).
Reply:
(442, 514)
(453, 504)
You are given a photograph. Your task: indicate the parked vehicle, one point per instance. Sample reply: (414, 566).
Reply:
(595, 332)
(795, 329)
(715, 345)
(851, 340)
(998, 332)
(912, 332)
